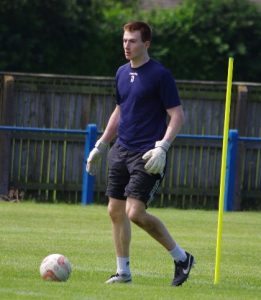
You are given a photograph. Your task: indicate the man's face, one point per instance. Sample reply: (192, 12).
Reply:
(134, 47)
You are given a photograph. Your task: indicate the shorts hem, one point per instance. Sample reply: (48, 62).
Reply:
(123, 198)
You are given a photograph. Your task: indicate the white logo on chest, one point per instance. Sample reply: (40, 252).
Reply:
(132, 76)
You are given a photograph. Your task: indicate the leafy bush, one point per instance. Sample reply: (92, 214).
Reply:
(196, 39)
(84, 37)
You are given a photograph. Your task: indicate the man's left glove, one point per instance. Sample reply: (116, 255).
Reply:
(95, 156)
(156, 158)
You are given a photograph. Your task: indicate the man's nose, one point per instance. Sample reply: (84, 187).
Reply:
(126, 45)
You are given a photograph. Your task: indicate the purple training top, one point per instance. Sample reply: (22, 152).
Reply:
(144, 94)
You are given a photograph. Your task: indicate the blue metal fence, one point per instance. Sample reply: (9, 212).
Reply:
(87, 179)
(231, 168)
(90, 138)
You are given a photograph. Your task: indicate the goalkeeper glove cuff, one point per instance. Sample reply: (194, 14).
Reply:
(101, 146)
(163, 144)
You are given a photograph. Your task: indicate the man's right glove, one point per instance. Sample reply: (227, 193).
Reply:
(95, 156)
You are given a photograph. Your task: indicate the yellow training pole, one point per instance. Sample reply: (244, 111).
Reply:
(223, 169)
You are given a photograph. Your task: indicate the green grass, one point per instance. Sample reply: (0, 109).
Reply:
(29, 232)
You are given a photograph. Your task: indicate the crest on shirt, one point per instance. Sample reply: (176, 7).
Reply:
(132, 76)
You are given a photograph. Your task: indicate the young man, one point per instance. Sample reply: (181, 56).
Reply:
(146, 93)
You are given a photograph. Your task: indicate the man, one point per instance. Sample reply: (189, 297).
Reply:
(146, 93)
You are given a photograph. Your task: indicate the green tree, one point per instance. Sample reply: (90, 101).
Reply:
(46, 36)
(61, 36)
(196, 39)
(84, 37)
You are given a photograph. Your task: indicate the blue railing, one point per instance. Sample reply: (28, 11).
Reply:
(90, 138)
(233, 139)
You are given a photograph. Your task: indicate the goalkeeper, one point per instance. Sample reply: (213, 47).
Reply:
(145, 95)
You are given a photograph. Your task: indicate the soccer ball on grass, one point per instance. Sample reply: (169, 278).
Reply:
(55, 267)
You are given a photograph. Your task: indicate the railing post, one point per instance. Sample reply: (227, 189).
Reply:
(6, 118)
(241, 119)
(87, 179)
(231, 170)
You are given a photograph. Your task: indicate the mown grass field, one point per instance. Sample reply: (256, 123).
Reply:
(29, 232)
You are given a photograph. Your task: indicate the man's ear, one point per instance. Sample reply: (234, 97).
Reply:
(147, 44)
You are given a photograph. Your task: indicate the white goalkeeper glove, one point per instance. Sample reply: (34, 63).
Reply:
(156, 158)
(95, 156)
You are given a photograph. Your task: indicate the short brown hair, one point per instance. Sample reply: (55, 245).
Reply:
(144, 28)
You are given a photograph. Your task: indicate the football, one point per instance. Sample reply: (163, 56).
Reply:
(55, 267)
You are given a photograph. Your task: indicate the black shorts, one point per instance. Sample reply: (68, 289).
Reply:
(128, 178)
